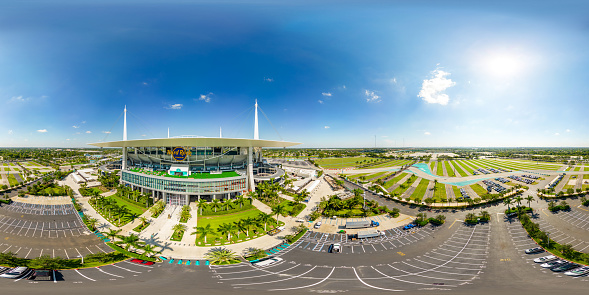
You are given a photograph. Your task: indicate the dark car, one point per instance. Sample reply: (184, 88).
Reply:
(142, 262)
(42, 275)
(565, 267)
(553, 264)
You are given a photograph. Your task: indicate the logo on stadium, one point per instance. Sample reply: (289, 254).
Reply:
(179, 154)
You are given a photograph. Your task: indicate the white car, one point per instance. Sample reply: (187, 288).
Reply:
(267, 262)
(15, 273)
(545, 259)
(578, 271)
(336, 248)
(318, 224)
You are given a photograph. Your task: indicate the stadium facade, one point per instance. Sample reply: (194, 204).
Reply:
(186, 169)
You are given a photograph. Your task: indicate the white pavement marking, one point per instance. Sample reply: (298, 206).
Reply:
(371, 286)
(99, 269)
(125, 268)
(84, 276)
(311, 285)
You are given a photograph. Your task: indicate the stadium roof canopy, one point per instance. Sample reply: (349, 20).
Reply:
(195, 142)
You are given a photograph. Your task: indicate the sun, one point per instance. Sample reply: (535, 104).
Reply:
(502, 65)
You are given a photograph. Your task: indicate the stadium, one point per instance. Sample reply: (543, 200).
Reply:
(186, 169)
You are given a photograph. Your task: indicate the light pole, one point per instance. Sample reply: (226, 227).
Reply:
(364, 197)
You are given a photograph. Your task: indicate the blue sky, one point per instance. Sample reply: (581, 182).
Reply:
(333, 74)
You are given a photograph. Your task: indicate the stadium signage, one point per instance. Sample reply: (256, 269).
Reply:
(179, 154)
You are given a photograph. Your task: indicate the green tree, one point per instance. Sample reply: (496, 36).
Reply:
(529, 199)
(215, 204)
(264, 218)
(279, 210)
(218, 256)
(203, 231)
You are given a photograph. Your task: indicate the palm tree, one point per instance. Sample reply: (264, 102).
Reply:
(179, 228)
(240, 226)
(220, 256)
(247, 224)
(298, 198)
(112, 234)
(507, 202)
(278, 210)
(518, 199)
(92, 222)
(529, 199)
(123, 211)
(202, 204)
(143, 221)
(131, 240)
(471, 216)
(240, 201)
(203, 231)
(485, 215)
(228, 203)
(148, 250)
(264, 217)
(225, 229)
(215, 204)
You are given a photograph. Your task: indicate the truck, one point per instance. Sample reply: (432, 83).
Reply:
(369, 233)
(361, 224)
(275, 231)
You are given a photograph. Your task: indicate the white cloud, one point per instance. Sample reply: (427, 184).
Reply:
(18, 98)
(76, 126)
(568, 130)
(268, 79)
(145, 83)
(106, 132)
(10, 132)
(88, 132)
(326, 93)
(67, 139)
(176, 106)
(344, 87)
(431, 90)
(427, 133)
(556, 134)
(394, 80)
(326, 127)
(83, 122)
(142, 134)
(320, 101)
(371, 96)
(206, 97)
(42, 130)
(384, 136)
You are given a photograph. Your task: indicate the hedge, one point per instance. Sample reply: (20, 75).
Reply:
(130, 254)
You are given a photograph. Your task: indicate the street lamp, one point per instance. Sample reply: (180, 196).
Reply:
(80, 256)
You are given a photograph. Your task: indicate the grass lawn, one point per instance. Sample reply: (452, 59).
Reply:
(396, 179)
(440, 170)
(456, 191)
(215, 221)
(458, 169)
(137, 210)
(12, 180)
(465, 166)
(420, 190)
(528, 165)
(478, 189)
(356, 176)
(578, 168)
(586, 168)
(375, 176)
(449, 169)
(408, 183)
(338, 163)
(431, 166)
(440, 191)
(288, 205)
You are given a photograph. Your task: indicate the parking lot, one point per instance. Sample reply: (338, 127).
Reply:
(39, 209)
(456, 262)
(576, 218)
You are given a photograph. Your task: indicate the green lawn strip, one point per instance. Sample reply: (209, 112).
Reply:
(375, 176)
(393, 163)
(502, 165)
(465, 166)
(400, 190)
(449, 169)
(458, 169)
(578, 168)
(288, 207)
(440, 192)
(431, 166)
(217, 220)
(420, 190)
(396, 179)
(586, 168)
(440, 169)
(531, 166)
(177, 235)
(585, 176)
(478, 189)
(552, 166)
(356, 176)
(457, 193)
(137, 210)
(337, 163)
(130, 254)
(12, 180)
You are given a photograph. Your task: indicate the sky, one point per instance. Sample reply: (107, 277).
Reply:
(325, 73)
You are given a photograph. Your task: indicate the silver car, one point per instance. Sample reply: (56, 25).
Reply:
(15, 273)
(545, 259)
(578, 271)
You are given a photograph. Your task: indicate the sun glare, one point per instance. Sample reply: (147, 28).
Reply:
(503, 65)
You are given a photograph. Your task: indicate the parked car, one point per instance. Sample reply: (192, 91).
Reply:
(554, 263)
(142, 262)
(15, 273)
(335, 248)
(42, 275)
(534, 250)
(3, 269)
(409, 226)
(318, 224)
(266, 262)
(565, 267)
(578, 271)
(545, 259)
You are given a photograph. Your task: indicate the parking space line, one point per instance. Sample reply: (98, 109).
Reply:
(125, 269)
(84, 276)
(99, 269)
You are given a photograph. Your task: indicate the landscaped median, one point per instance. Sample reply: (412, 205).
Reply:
(565, 251)
(9, 259)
